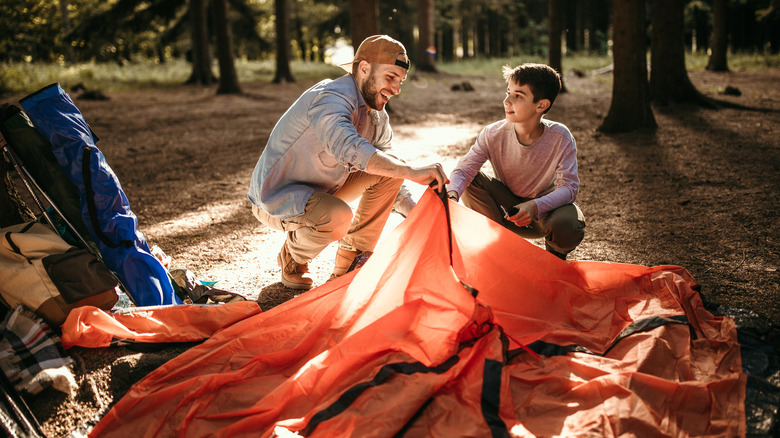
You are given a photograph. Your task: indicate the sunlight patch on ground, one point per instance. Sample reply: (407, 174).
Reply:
(260, 257)
(191, 222)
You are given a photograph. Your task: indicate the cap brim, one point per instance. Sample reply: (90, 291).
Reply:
(347, 66)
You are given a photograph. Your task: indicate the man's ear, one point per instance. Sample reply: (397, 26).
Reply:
(364, 68)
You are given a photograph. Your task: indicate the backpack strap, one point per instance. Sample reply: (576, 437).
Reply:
(15, 248)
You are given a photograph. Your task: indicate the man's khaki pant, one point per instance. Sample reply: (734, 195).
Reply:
(329, 218)
(561, 228)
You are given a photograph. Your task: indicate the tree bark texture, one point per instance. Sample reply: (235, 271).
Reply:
(630, 108)
(719, 41)
(669, 82)
(426, 47)
(201, 55)
(364, 20)
(554, 40)
(228, 78)
(283, 72)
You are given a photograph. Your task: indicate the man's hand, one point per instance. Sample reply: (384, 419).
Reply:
(426, 175)
(383, 164)
(525, 214)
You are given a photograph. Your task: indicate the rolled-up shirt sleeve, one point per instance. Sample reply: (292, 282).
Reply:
(331, 117)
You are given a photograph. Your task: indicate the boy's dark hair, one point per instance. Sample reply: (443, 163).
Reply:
(543, 80)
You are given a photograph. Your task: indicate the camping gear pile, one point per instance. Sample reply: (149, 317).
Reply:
(85, 249)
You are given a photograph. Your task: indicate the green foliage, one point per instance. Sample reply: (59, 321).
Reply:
(28, 30)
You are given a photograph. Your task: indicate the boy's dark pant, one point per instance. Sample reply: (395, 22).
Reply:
(561, 228)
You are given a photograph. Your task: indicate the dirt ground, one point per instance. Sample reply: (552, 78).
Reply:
(699, 192)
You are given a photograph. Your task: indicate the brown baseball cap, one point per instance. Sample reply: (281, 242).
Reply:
(381, 49)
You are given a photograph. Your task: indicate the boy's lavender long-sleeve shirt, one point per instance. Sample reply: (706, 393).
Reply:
(545, 170)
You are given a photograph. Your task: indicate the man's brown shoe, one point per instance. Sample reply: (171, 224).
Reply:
(347, 260)
(293, 272)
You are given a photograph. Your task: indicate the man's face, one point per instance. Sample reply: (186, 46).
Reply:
(381, 82)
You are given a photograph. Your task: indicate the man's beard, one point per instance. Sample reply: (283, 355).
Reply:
(371, 93)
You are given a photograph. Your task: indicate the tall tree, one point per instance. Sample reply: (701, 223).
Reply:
(283, 71)
(363, 20)
(669, 80)
(554, 16)
(70, 56)
(426, 47)
(228, 79)
(201, 55)
(719, 40)
(630, 108)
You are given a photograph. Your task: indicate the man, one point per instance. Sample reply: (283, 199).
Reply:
(327, 150)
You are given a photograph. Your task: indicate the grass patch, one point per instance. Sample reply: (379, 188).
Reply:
(23, 78)
(493, 66)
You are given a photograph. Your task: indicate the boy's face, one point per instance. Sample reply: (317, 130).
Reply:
(519, 105)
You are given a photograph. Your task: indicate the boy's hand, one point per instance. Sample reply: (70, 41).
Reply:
(525, 214)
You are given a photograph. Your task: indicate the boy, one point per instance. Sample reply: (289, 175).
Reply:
(535, 163)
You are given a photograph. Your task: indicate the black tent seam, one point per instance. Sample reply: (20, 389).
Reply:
(646, 324)
(383, 375)
(414, 418)
(491, 398)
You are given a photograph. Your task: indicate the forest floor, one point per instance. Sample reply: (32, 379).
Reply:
(699, 192)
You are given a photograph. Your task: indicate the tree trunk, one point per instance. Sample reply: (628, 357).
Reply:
(719, 42)
(426, 48)
(70, 56)
(494, 34)
(480, 48)
(447, 42)
(669, 80)
(201, 55)
(228, 78)
(630, 108)
(465, 27)
(554, 17)
(283, 72)
(364, 20)
(580, 24)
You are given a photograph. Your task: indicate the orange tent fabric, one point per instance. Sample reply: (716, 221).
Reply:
(546, 348)
(91, 327)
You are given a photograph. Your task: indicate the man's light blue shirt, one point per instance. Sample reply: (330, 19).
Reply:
(326, 134)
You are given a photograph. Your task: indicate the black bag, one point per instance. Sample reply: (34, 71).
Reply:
(78, 274)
